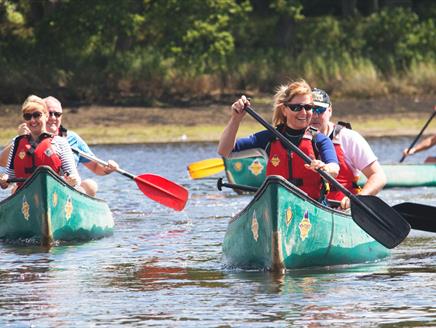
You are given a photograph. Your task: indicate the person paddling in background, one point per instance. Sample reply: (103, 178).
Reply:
(54, 125)
(423, 145)
(38, 148)
(353, 151)
(292, 112)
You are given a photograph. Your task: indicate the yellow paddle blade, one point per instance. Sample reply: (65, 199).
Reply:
(205, 168)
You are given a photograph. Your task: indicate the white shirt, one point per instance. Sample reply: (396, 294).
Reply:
(357, 152)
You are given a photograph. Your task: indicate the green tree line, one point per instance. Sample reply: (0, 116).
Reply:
(150, 52)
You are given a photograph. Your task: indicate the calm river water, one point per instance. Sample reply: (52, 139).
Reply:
(165, 268)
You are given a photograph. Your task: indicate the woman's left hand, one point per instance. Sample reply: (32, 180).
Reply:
(345, 203)
(315, 165)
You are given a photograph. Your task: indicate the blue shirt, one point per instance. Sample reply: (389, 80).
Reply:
(75, 141)
(263, 138)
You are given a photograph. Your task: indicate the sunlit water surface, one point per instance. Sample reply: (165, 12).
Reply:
(165, 268)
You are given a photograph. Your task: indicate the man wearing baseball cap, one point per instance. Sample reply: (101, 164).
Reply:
(353, 151)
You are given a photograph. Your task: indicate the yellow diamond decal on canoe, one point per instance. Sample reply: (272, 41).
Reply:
(25, 208)
(275, 160)
(288, 216)
(237, 166)
(54, 199)
(256, 167)
(255, 227)
(305, 226)
(68, 208)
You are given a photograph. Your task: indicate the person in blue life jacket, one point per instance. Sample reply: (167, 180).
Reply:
(38, 148)
(54, 126)
(292, 112)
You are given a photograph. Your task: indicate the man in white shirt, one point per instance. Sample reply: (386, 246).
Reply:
(357, 155)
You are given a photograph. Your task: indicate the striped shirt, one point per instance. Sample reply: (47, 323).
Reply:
(62, 149)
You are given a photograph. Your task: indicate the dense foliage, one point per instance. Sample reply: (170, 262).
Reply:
(142, 51)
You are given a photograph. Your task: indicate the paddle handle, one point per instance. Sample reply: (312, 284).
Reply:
(100, 161)
(420, 133)
(14, 180)
(221, 184)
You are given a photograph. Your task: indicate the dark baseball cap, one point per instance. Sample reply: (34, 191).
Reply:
(320, 98)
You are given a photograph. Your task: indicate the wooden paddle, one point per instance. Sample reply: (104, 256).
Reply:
(205, 168)
(420, 133)
(373, 215)
(153, 186)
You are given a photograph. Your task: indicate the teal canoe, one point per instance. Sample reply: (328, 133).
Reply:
(248, 168)
(407, 175)
(282, 228)
(47, 209)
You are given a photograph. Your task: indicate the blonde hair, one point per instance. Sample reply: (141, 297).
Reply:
(34, 102)
(284, 94)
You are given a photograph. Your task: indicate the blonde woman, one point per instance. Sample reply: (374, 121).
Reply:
(292, 112)
(38, 148)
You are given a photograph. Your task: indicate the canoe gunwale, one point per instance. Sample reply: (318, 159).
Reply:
(49, 171)
(276, 179)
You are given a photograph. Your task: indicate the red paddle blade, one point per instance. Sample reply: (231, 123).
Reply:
(163, 191)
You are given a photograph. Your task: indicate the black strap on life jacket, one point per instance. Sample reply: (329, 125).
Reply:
(62, 131)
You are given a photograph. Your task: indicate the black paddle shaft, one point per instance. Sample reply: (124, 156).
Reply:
(389, 228)
(220, 184)
(420, 134)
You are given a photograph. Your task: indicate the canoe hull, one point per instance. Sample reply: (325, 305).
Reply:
(407, 175)
(48, 209)
(282, 228)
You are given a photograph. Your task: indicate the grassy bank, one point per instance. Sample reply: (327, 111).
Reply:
(397, 116)
(395, 125)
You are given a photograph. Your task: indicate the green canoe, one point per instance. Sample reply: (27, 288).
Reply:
(47, 209)
(407, 175)
(282, 228)
(248, 168)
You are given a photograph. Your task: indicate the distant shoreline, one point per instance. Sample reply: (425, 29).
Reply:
(132, 125)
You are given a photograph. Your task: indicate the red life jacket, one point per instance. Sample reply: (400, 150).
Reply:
(27, 157)
(345, 176)
(291, 166)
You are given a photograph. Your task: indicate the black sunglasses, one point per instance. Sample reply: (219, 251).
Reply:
(319, 110)
(299, 107)
(55, 114)
(35, 115)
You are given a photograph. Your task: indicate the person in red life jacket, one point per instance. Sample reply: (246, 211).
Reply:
(54, 126)
(292, 107)
(38, 148)
(353, 151)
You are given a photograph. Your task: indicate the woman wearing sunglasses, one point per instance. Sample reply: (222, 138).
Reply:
(292, 112)
(353, 151)
(38, 148)
(54, 126)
